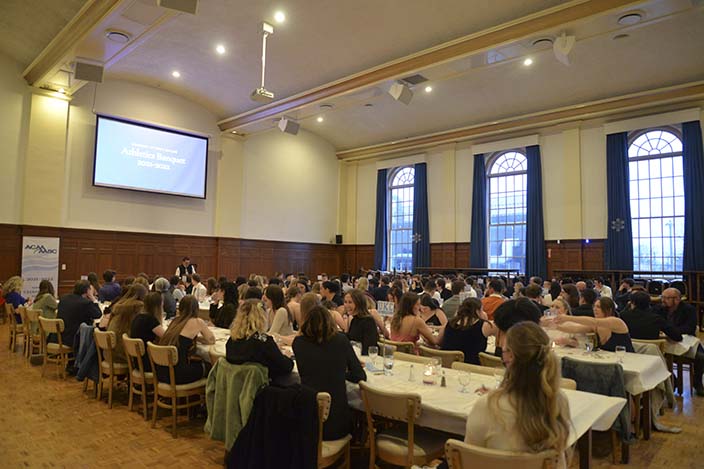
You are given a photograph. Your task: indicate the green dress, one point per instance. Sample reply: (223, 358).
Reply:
(48, 305)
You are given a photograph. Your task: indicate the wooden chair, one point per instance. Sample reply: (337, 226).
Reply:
(16, 330)
(405, 347)
(108, 368)
(660, 343)
(447, 357)
(638, 398)
(54, 352)
(167, 356)
(33, 340)
(329, 452)
(461, 455)
(139, 379)
(565, 383)
(397, 445)
(411, 357)
(4, 314)
(490, 360)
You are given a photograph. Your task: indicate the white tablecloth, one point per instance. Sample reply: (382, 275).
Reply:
(447, 409)
(221, 336)
(688, 346)
(641, 372)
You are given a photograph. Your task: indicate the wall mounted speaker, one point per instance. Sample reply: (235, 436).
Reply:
(338, 239)
(401, 92)
(289, 126)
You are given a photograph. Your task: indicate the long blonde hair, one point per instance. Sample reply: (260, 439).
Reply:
(532, 385)
(250, 319)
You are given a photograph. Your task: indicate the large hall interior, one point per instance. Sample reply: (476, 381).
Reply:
(416, 183)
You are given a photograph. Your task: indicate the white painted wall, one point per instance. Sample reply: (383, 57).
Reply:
(290, 187)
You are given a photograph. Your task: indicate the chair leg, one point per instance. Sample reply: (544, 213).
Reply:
(111, 385)
(615, 444)
(100, 387)
(174, 403)
(144, 401)
(155, 409)
(131, 395)
(637, 402)
(346, 461)
(44, 363)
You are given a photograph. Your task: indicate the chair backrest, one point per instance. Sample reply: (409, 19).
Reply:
(461, 455)
(163, 355)
(52, 326)
(33, 315)
(104, 344)
(410, 357)
(10, 311)
(324, 401)
(490, 360)
(566, 383)
(659, 343)
(406, 347)
(135, 350)
(480, 370)
(22, 311)
(447, 357)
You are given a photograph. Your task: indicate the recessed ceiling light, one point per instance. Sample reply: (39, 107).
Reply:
(320, 119)
(543, 42)
(176, 74)
(220, 49)
(326, 107)
(279, 17)
(630, 18)
(528, 62)
(62, 91)
(119, 37)
(369, 105)
(234, 131)
(428, 89)
(620, 36)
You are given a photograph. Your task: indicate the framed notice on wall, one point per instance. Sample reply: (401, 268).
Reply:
(40, 261)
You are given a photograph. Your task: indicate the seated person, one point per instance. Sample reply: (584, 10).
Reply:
(610, 330)
(147, 324)
(468, 331)
(510, 313)
(280, 319)
(331, 291)
(249, 342)
(362, 327)
(45, 301)
(430, 311)
(534, 292)
(451, 304)
(528, 412)
(183, 332)
(644, 323)
(571, 295)
(326, 360)
(222, 316)
(79, 307)
(493, 297)
(408, 326)
(110, 289)
(587, 297)
(12, 295)
(122, 314)
(163, 286)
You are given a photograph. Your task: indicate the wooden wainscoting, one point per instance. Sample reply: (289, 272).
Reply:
(575, 254)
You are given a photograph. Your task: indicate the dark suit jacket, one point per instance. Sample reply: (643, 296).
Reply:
(75, 310)
(381, 293)
(583, 310)
(684, 318)
(647, 324)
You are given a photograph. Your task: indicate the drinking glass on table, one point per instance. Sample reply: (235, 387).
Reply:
(388, 363)
(620, 353)
(373, 352)
(498, 377)
(588, 345)
(464, 378)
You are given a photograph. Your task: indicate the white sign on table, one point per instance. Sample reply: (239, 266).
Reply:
(385, 308)
(40, 261)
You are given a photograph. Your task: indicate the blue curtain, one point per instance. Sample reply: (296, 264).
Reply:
(693, 170)
(421, 227)
(535, 239)
(380, 233)
(618, 254)
(478, 256)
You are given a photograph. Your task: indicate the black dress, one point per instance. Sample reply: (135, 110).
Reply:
(223, 316)
(326, 367)
(364, 330)
(471, 341)
(142, 327)
(185, 371)
(617, 339)
(259, 348)
(433, 320)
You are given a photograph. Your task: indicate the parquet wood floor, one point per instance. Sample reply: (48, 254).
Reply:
(50, 423)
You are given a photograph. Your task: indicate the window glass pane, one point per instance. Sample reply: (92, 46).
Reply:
(401, 219)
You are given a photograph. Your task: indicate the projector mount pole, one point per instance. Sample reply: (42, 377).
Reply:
(267, 29)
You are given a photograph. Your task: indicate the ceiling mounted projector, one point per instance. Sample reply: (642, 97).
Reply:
(289, 126)
(562, 47)
(261, 94)
(401, 92)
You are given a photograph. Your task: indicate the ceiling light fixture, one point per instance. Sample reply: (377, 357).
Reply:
(234, 131)
(630, 18)
(542, 42)
(320, 119)
(176, 74)
(279, 17)
(528, 62)
(120, 37)
(220, 49)
(428, 89)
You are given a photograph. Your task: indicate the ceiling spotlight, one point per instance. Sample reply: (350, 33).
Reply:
(234, 131)
(176, 74)
(62, 91)
(220, 49)
(320, 119)
(279, 17)
(401, 92)
(528, 62)
(630, 18)
(428, 89)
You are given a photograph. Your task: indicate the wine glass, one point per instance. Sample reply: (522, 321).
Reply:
(620, 353)
(388, 364)
(464, 379)
(373, 352)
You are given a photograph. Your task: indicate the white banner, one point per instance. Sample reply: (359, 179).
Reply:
(40, 261)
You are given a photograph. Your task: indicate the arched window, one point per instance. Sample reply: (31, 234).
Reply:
(508, 173)
(400, 236)
(657, 199)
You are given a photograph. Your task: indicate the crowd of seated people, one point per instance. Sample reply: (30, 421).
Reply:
(321, 319)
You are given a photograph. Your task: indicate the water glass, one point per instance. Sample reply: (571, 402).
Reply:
(464, 379)
(373, 352)
(388, 364)
(498, 377)
(620, 353)
(588, 346)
